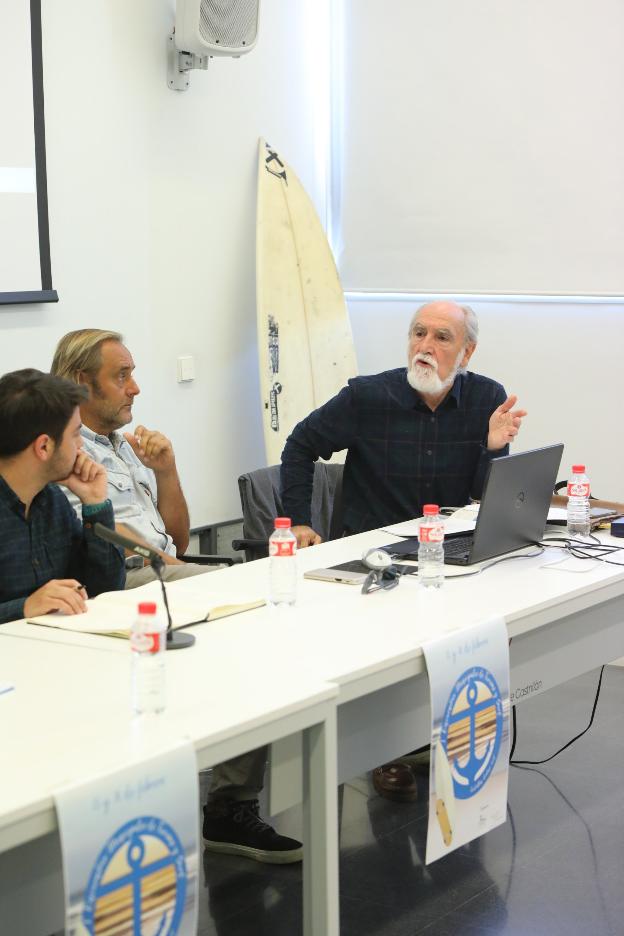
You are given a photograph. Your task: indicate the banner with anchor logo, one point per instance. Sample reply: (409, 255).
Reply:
(129, 843)
(469, 766)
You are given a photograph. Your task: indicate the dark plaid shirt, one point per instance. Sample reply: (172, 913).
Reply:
(51, 543)
(400, 454)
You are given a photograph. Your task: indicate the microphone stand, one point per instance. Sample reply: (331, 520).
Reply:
(176, 640)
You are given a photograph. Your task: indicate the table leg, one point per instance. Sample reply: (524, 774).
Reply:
(320, 830)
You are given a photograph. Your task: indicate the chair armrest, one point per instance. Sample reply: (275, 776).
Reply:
(239, 544)
(202, 559)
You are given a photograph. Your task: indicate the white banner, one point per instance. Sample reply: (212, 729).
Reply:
(129, 842)
(469, 685)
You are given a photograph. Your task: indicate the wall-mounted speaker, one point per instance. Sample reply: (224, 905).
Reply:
(216, 27)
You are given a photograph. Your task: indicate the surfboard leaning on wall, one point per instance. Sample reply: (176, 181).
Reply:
(305, 346)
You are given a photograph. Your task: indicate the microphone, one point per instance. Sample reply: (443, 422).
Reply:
(175, 640)
(112, 536)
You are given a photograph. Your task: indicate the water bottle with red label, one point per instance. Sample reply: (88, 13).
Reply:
(148, 642)
(578, 503)
(282, 563)
(431, 547)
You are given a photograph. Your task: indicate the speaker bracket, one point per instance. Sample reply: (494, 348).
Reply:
(179, 64)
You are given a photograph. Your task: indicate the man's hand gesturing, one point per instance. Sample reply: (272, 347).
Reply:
(504, 424)
(152, 448)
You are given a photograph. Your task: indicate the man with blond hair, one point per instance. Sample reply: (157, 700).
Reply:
(145, 490)
(143, 481)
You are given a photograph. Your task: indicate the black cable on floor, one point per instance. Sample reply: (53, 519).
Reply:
(533, 763)
(513, 732)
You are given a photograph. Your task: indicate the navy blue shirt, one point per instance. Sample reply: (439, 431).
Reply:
(51, 543)
(401, 455)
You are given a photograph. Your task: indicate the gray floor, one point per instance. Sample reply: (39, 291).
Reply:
(555, 867)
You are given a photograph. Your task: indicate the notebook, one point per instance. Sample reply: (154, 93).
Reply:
(513, 512)
(112, 613)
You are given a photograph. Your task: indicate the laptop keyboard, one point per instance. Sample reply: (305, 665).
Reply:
(456, 549)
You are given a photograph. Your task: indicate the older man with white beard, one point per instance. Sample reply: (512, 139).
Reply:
(415, 436)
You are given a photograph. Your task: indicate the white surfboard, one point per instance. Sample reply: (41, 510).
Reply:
(305, 344)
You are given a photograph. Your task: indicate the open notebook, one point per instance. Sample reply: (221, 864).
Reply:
(112, 613)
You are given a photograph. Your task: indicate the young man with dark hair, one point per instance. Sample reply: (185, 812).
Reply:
(49, 560)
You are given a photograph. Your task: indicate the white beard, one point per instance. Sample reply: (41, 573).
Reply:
(426, 379)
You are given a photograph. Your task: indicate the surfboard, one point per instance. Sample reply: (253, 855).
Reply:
(305, 345)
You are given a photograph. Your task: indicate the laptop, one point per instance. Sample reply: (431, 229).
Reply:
(513, 511)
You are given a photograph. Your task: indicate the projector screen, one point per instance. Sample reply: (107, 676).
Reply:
(25, 271)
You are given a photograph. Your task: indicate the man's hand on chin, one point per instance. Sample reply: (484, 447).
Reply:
(504, 424)
(87, 480)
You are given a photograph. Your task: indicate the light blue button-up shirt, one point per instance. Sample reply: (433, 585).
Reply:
(131, 488)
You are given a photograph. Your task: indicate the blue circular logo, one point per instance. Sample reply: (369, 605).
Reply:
(138, 880)
(471, 730)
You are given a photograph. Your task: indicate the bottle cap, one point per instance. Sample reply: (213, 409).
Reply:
(147, 607)
(282, 523)
(578, 469)
(430, 509)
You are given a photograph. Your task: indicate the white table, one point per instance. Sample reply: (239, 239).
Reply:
(68, 719)
(370, 647)
(561, 624)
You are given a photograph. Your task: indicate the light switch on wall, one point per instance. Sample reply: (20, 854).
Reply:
(186, 368)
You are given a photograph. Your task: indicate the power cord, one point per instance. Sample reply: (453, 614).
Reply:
(582, 549)
(534, 763)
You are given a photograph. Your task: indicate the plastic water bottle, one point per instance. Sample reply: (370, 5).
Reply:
(431, 547)
(282, 563)
(578, 502)
(148, 641)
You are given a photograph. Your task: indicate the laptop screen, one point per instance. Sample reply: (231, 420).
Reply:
(513, 510)
(515, 502)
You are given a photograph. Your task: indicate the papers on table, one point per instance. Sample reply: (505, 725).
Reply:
(112, 613)
(462, 521)
(557, 515)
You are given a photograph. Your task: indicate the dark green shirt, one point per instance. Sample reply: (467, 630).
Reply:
(51, 543)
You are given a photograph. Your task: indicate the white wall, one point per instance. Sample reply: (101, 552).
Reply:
(563, 360)
(152, 220)
(152, 216)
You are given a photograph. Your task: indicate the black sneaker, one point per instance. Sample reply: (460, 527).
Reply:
(239, 830)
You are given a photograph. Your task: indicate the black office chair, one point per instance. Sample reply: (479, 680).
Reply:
(261, 503)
